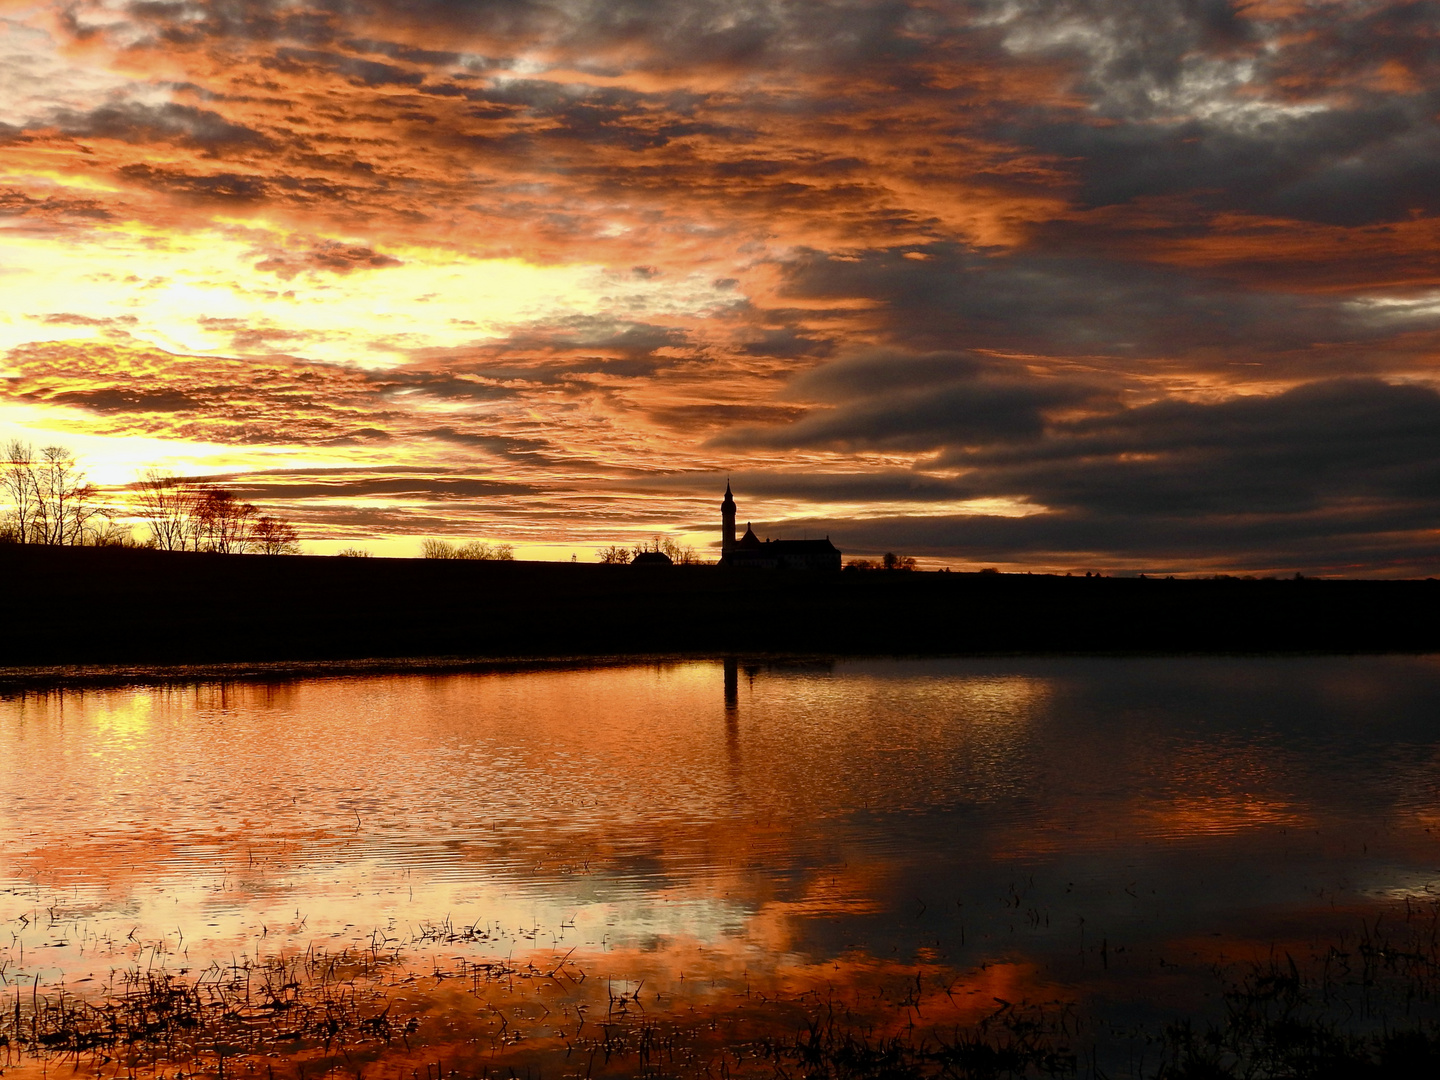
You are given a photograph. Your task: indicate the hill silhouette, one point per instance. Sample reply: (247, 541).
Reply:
(104, 605)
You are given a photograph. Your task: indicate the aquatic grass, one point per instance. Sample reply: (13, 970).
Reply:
(221, 1011)
(1365, 1004)
(1361, 1010)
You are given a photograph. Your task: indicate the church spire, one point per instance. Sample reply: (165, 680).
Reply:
(727, 521)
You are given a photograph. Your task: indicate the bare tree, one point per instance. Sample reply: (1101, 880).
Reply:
(51, 501)
(475, 550)
(484, 552)
(19, 480)
(166, 503)
(271, 536)
(104, 531)
(67, 503)
(615, 555)
(185, 515)
(679, 554)
(223, 523)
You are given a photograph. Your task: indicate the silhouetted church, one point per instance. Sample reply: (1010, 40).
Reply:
(750, 550)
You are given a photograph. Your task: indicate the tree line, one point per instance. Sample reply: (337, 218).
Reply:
(889, 561)
(475, 549)
(193, 515)
(679, 554)
(50, 501)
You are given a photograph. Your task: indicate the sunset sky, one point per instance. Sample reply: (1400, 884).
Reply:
(1123, 285)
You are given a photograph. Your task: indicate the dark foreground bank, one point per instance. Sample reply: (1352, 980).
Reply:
(98, 605)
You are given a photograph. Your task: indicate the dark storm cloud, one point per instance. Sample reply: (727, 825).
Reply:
(291, 61)
(900, 401)
(1068, 305)
(790, 342)
(229, 186)
(698, 418)
(814, 485)
(53, 210)
(458, 386)
(408, 53)
(564, 351)
(590, 332)
(1326, 475)
(189, 22)
(128, 401)
(1128, 55)
(1213, 101)
(500, 445)
(1372, 163)
(596, 117)
(137, 123)
(436, 488)
(1334, 542)
(1345, 442)
(673, 33)
(685, 33)
(218, 186)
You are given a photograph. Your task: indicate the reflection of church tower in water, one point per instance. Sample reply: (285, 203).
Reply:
(727, 521)
(732, 720)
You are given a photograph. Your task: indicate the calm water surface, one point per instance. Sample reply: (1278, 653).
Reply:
(1089, 830)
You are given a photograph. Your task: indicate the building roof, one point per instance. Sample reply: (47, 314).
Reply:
(799, 547)
(651, 558)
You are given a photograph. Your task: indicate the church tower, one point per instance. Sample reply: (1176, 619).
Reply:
(727, 521)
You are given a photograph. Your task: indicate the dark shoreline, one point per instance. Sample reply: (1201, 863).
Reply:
(58, 677)
(74, 610)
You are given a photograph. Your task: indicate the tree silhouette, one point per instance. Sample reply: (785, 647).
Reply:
(474, 550)
(51, 501)
(21, 490)
(679, 554)
(223, 523)
(187, 515)
(166, 502)
(272, 536)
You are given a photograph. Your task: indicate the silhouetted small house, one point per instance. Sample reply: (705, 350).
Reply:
(750, 550)
(651, 558)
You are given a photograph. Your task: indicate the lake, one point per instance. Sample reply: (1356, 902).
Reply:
(578, 870)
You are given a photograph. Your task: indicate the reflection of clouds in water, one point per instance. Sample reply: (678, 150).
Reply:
(1213, 790)
(1217, 815)
(812, 811)
(858, 741)
(1416, 786)
(627, 803)
(1400, 883)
